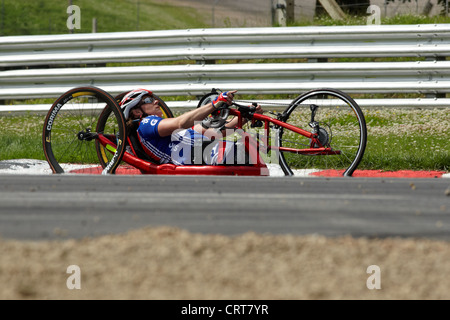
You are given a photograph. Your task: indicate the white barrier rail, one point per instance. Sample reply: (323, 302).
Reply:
(51, 59)
(388, 77)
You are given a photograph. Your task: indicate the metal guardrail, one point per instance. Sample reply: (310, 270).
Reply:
(267, 78)
(52, 58)
(232, 43)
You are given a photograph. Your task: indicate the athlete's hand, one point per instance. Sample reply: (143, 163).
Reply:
(259, 109)
(224, 99)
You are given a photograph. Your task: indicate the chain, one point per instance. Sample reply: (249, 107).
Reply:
(268, 104)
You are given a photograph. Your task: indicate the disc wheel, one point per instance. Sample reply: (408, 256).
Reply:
(72, 127)
(340, 127)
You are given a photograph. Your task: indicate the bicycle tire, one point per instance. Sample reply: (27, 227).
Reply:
(102, 153)
(342, 127)
(67, 133)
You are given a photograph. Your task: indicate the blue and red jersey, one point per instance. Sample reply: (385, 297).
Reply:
(177, 147)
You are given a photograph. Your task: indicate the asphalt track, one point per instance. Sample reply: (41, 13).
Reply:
(43, 207)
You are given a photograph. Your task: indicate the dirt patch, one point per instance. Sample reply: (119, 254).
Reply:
(169, 263)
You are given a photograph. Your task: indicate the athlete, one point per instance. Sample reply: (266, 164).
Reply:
(171, 140)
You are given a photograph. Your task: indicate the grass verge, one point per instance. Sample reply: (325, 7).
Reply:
(398, 139)
(32, 17)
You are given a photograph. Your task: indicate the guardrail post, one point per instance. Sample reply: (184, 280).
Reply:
(427, 8)
(279, 12)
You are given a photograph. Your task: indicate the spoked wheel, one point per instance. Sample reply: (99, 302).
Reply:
(73, 127)
(339, 129)
(103, 153)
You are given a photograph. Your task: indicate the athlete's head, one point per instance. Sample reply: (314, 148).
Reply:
(139, 103)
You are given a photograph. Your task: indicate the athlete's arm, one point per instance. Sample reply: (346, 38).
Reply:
(230, 125)
(187, 120)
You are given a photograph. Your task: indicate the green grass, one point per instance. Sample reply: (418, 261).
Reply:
(21, 137)
(407, 139)
(397, 139)
(325, 20)
(31, 17)
(414, 152)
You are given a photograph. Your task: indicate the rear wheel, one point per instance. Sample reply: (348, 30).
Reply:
(341, 131)
(72, 127)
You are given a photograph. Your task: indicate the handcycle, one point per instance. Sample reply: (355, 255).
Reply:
(322, 129)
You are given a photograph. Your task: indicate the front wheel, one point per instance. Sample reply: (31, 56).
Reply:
(339, 129)
(71, 131)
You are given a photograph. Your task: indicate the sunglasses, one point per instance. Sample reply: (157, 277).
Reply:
(147, 100)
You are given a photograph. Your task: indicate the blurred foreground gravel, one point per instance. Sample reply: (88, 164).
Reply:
(169, 263)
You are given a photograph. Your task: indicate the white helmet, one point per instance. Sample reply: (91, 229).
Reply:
(131, 100)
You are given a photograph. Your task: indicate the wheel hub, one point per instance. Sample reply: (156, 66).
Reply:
(86, 135)
(323, 137)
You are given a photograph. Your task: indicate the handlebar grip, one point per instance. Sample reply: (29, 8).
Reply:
(249, 108)
(255, 123)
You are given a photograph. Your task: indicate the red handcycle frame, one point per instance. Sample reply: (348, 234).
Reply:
(252, 147)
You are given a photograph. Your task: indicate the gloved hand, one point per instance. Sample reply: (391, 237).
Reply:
(223, 100)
